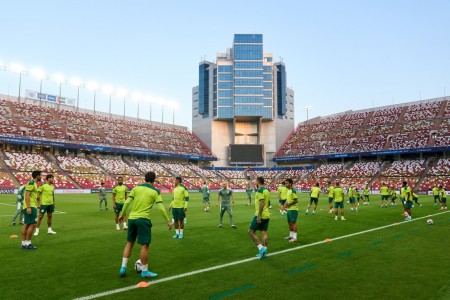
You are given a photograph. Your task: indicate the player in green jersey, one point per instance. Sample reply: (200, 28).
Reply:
(141, 199)
(443, 198)
(436, 195)
(282, 192)
(393, 197)
(179, 207)
(384, 190)
(314, 197)
(46, 193)
(415, 198)
(30, 206)
(330, 189)
(206, 197)
(261, 218)
(102, 196)
(352, 198)
(291, 206)
(366, 195)
(19, 203)
(248, 191)
(225, 195)
(119, 195)
(338, 197)
(407, 200)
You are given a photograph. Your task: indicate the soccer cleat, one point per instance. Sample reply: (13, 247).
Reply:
(21, 223)
(313, 212)
(335, 218)
(288, 237)
(50, 231)
(421, 205)
(31, 247)
(413, 206)
(106, 208)
(125, 227)
(175, 236)
(292, 241)
(233, 226)
(36, 232)
(262, 253)
(117, 227)
(434, 204)
(148, 274)
(180, 236)
(356, 210)
(220, 226)
(405, 214)
(101, 209)
(23, 247)
(122, 271)
(342, 219)
(13, 223)
(408, 218)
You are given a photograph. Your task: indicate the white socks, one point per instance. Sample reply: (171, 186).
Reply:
(259, 246)
(124, 262)
(181, 231)
(144, 268)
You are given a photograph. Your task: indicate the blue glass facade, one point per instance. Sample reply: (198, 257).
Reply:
(281, 90)
(203, 90)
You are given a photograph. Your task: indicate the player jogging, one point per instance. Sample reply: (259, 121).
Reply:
(249, 191)
(416, 199)
(443, 198)
(338, 197)
(407, 200)
(366, 195)
(261, 219)
(30, 206)
(179, 207)
(206, 200)
(282, 191)
(119, 195)
(142, 198)
(291, 206)
(314, 197)
(330, 189)
(436, 194)
(384, 190)
(225, 206)
(46, 193)
(19, 203)
(102, 196)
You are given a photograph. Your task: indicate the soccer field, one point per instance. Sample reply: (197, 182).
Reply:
(407, 260)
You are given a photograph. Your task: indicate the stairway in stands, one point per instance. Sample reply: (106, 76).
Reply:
(51, 158)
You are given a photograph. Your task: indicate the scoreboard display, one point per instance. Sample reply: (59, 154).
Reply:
(246, 154)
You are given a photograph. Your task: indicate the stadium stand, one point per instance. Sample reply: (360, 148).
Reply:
(28, 162)
(6, 181)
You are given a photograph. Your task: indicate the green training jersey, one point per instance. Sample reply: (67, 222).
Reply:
(366, 191)
(338, 194)
(282, 190)
(406, 193)
(31, 187)
(142, 197)
(180, 197)
(435, 191)
(120, 191)
(262, 194)
(291, 196)
(102, 191)
(47, 193)
(315, 191)
(205, 191)
(225, 195)
(330, 189)
(384, 190)
(442, 193)
(351, 192)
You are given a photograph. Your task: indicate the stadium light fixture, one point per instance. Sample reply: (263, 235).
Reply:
(76, 82)
(93, 86)
(19, 69)
(307, 109)
(122, 93)
(40, 75)
(150, 99)
(59, 78)
(137, 96)
(174, 106)
(108, 90)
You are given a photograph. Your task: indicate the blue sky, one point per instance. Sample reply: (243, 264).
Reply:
(339, 55)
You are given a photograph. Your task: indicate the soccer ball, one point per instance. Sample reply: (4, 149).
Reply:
(430, 222)
(138, 266)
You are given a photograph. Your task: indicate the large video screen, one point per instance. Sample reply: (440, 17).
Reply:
(246, 154)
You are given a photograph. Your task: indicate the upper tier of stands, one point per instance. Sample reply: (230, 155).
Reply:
(29, 120)
(408, 126)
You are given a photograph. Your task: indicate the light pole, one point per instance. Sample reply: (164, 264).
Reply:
(16, 68)
(93, 86)
(174, 106)
(307, 109)
(122, 93)
(76, 82)
(108, 90)
(39, 74)
(137, 97)
(60, 79)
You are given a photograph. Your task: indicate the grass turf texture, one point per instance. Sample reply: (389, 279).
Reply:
(84, 258)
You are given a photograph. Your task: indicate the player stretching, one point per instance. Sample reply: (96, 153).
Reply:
(436, 194)
(19, 202)
(206, 200)
(282, 194)
(46, 193)
(179, 207)
(142, 198)
(102, 196)
(443, 198)
(352, 199)
(249, 191)
(119, 195)
(407, 200)
(314, 197)
(225, 194)
(31, 204)
(366, 195)
(292, 210)
(330, 189)
(384, 195)
(338, 197)
(261, 219)
(416, 199)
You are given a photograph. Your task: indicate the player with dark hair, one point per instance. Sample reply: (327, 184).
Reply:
(443, 198)
(206, 197)
(338, 197)
(19, 203)
(102, 196)
(291, 206)
(249, 191)
(30, 206)
(330, 189)
(261, 219)
(407, 200)
(179, 207)
(119, 195)
(46, 193)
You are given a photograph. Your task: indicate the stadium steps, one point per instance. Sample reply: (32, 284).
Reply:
(385, 165)
(6, 169)
(428, 164)
(131, 163)
(51, 158)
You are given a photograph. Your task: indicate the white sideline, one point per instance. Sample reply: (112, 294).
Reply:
(153, 282)
(55, 212)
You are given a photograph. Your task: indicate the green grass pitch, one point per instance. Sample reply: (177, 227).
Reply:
(83, 258)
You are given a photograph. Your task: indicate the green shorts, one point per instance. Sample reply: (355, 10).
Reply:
(292, 216)
(30, 218)
(415, 199)
(118, 208)
(352, 199)
(103, 198)
(206, 200)
(49, 209)
(444, 200)
(436, 197)
(178, 214)
(366, 196)
(315, 200)
(282, 202)
(141, 229)
(339, 204)
(330, 199)
(249, 195)
(263, 226)
(408, 204)
(384, 197)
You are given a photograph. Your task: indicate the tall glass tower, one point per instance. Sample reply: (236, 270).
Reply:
(242, 98)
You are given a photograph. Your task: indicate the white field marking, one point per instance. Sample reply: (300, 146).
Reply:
(7, 216)
(55, 212)
(153, 282)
